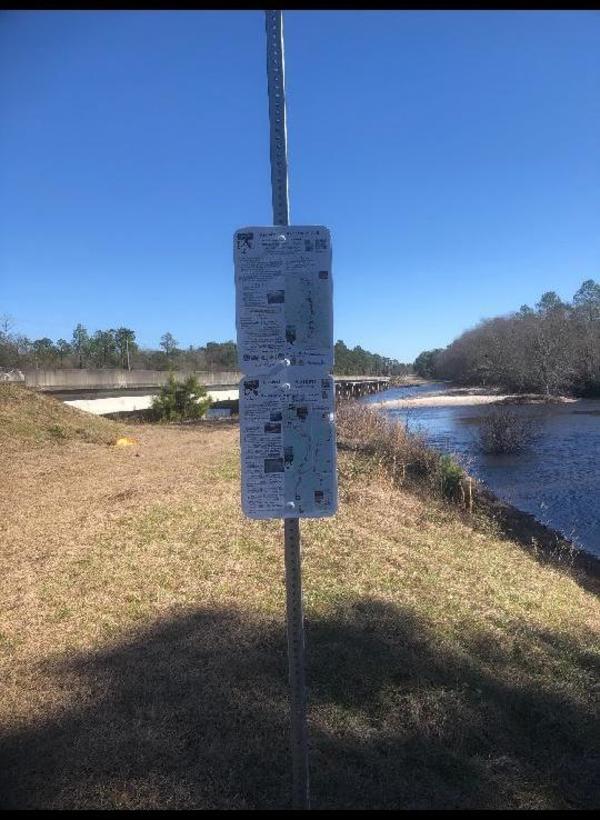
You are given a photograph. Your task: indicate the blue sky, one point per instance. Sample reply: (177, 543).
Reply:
(454, 156)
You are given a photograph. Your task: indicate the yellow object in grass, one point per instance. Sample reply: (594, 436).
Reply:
(124, 441)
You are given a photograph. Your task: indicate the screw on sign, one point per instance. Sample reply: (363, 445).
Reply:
(284, 319)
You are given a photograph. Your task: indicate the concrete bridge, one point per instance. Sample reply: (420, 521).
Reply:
(107, 391)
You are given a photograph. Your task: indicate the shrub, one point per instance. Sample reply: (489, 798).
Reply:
(405, 455)
(181, 401)
(504, 431)
(451, 475)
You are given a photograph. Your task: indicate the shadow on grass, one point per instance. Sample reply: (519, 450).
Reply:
(193, 714)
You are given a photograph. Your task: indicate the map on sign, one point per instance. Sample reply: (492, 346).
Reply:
(284, 321)
(288, 445)
(284, 298)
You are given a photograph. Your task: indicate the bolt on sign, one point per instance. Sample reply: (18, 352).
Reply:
(284, 318)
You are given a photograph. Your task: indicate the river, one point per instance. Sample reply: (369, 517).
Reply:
(557, 479)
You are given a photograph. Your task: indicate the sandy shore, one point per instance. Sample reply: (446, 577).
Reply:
(438, 401)
(461, 397)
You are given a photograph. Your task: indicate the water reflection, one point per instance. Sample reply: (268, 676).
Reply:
(557, 479)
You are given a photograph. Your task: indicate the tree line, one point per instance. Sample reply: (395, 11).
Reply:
(359, 362)
(551, 348)
(113, 348)
(118, 348)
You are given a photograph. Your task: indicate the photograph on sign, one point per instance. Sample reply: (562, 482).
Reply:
(288, 445)
(283, 297)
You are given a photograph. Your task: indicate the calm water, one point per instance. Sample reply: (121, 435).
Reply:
(558, 480)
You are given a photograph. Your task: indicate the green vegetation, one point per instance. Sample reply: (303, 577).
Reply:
(359, 362)
(552, 349)
(424, 364)
(181, 401)
(108, 349)
(118, 348)
(451, 477)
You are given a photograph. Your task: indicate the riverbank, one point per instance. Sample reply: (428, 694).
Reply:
(554, 479)
(411, 462)
(546, 544)
(143, 651)
(467, 396)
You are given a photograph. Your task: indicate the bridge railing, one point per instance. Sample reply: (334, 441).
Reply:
(89, 379)
(115, 379)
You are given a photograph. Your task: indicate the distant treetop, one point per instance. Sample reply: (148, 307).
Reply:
(554, 348)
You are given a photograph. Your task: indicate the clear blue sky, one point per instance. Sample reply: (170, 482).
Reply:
(455, 157)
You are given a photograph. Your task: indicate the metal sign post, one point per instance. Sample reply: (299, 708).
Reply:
(284, 321)
(295, 614)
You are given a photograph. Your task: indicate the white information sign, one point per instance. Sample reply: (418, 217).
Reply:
(288, 445)
(284, 298)
(284, 322)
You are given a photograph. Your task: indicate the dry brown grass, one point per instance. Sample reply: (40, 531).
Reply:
(144, 660)
(361, 428)
(406, 457)
(32, 417)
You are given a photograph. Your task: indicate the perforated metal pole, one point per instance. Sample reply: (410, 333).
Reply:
(278, 130)
(293, 579)
(295, 635)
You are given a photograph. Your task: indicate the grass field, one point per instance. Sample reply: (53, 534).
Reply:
(143, 652)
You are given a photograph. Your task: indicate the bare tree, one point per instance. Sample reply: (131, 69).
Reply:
(552, 348)
(168, 343)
